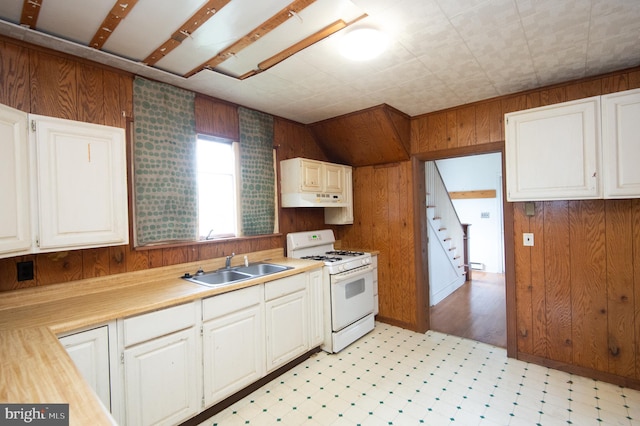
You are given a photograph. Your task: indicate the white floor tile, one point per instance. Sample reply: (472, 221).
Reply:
(397, 377)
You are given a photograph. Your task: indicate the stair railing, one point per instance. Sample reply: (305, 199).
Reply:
(443, 210)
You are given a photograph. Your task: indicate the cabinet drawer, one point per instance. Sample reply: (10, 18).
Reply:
(284, 286)
(224, 304)
(159, 323)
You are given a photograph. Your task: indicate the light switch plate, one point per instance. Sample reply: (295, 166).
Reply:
(527, 239)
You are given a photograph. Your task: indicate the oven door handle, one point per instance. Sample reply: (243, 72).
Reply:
(350, 275)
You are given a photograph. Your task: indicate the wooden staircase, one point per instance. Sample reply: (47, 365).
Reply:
(446, 237)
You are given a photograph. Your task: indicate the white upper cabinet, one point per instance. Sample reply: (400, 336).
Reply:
(342, 215)
(15, 222)
(553, 152)
(64, 184)
(313, 183)
(81, 183)
(621, 144)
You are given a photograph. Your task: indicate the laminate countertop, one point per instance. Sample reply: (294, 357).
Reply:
(35, 367)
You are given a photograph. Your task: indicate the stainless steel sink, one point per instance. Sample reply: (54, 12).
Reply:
(225, 276)
(259, 269)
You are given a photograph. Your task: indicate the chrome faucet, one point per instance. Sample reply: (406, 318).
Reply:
(227, 263)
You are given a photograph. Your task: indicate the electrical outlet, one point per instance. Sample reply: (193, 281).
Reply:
(25, 270)
(527, 239)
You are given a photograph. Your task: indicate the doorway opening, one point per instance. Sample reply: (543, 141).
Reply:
(472, 302)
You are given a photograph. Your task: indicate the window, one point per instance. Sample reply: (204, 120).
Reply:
(218, 209)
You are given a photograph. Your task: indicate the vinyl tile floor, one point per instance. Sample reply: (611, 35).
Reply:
(394, 376)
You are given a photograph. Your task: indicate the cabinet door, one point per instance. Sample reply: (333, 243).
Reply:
(311, 175)
(342, 215)
(553, 153)
(287, 328)
(15, 220)
(316, 313)
(89, 351)
(82, 187)
(333, 178)
(233, 353)
(160, 380)
(621, 144)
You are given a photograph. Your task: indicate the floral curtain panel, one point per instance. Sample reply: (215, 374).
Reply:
(166, 204)
(257, 193)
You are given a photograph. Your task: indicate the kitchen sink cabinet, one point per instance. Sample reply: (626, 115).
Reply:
(64, 184)
(286, 319)
(165, 366)
(233, 342)
(94, 358)
(162, 365)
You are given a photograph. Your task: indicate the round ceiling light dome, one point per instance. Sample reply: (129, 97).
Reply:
(361, 44)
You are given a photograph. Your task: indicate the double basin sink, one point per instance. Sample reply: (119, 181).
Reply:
(233, 275)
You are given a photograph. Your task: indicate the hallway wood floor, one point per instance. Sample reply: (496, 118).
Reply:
(476, 310)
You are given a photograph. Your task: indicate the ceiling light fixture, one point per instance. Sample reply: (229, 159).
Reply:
(361, 44)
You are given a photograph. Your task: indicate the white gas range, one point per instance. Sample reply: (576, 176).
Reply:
(348, 295)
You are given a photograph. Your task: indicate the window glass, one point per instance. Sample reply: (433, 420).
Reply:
(217, 188)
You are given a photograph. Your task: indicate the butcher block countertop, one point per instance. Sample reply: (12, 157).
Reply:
(34, 366)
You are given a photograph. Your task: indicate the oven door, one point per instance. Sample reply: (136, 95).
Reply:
(351, 296)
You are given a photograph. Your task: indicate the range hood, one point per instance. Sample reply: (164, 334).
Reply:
(312, 183)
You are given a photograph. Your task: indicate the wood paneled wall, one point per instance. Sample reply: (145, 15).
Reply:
(576, 299)
(383, 211)
(41, 81)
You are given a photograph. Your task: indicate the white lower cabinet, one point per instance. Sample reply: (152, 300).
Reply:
(286, 318)
(233, 342)
(166, 366)
(90, 352)
(162, 366)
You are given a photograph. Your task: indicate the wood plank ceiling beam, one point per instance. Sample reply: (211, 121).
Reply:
(269, 25)
(481, 193)
(302, 44)
(30, 11)
(118, 12)
(192, 24)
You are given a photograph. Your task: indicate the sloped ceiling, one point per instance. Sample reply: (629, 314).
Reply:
(372, 136)
(281, 56)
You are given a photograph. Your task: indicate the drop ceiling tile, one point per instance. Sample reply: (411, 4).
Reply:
(555, 26)
(150, 26)
(11, 10)
(76, 20)
(307, 22)
(293, 70)
(612, 54)
(453, 8)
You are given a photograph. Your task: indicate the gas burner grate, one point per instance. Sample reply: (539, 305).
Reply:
(345, 253)
(322, 258)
